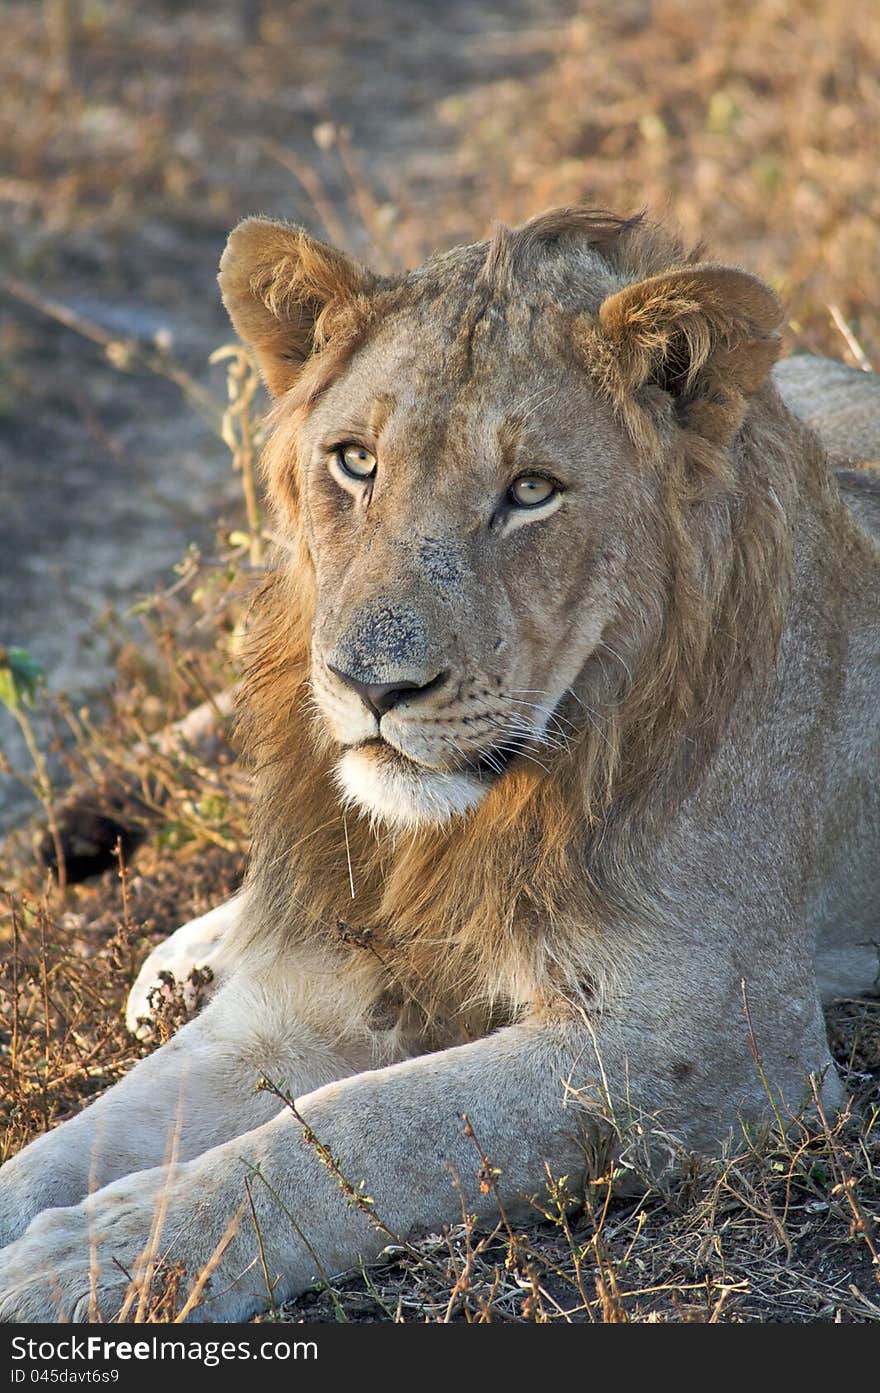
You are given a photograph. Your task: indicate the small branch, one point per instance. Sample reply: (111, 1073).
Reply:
(354, 1194)
(849, 337)
(270, 1285)
(756, 1054)
(313, 186)
(237, 430)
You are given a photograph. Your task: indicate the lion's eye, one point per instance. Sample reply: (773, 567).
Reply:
(356, 461)
(530, 490)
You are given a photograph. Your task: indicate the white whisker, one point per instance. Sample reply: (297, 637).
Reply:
(348, 854)
(522, 754)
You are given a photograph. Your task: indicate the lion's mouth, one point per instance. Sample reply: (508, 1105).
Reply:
(488, 765)
(407, 793)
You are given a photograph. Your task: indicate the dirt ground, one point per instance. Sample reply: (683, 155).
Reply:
(389, 126)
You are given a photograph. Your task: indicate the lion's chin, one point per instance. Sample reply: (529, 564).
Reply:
(402, 795)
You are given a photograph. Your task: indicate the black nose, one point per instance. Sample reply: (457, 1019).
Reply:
(383, 696)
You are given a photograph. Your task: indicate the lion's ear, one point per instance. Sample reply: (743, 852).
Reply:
(280, 287)
(706, 334)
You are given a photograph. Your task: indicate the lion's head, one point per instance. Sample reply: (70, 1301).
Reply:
(505, 475)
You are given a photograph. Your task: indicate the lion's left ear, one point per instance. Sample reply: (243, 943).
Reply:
(707, 335)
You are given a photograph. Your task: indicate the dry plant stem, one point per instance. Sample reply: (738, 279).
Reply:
(82, 744)
(793, 1168)
(558, 1196)
(148, 1258)
(47, 1028)
(57, 1296)
(463, 1274)
(353, 1195)
(195, 1295)
(756, 1054)
(556, 1271)
(863, 1225)
(59, 30)
(364, 199)
(297, 1228)
(16, 1008)
(270, 1286)
(850, 339)
(607, 1286)
(124, 941)
(242, 381)
(368, 1283)
(311, 183)
(126, 912)
(488, 1178)
(766, 1213)
(168, 778)
(363, 938)
(43, 789)
(94, 1265)
(608, 1292)
(462, 1282)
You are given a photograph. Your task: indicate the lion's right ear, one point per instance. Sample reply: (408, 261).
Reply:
(280, 287)
(706, 334)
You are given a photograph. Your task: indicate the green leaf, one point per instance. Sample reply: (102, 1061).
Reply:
(20, 675)
(140, 607)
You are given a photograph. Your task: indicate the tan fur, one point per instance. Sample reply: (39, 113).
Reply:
(614, 831)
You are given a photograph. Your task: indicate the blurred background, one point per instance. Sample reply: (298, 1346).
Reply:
(135, 133)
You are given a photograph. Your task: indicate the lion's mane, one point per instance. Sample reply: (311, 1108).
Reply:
(505, 906)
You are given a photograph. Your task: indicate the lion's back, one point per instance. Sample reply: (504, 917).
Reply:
(842, 404)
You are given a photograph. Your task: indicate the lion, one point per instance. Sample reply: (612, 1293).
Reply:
(562, 706)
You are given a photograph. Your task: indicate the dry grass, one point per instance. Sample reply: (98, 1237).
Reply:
(754, 126)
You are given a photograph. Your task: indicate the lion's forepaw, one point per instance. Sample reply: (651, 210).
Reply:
(142, 1244)
(77, 1263)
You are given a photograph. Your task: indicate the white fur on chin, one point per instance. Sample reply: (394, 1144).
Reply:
(405, 798)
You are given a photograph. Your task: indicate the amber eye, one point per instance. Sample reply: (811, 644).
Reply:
(356, 461)
(531, 490)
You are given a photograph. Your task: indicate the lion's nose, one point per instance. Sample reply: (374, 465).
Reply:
(383, 696)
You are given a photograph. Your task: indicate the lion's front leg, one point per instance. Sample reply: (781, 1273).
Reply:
(400, 1129)
(196, 1092)
(533, 1093)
